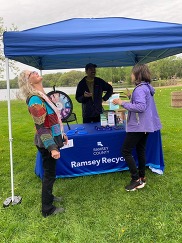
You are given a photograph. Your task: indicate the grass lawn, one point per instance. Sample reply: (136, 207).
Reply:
(98, 209)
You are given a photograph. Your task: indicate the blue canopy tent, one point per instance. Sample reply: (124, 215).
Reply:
(108, 42)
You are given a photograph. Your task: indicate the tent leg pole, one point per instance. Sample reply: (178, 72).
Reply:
(13, 199)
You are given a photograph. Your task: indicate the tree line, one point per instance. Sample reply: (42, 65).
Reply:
(164, 69)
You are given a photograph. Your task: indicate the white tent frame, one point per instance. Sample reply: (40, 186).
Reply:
(13, 199)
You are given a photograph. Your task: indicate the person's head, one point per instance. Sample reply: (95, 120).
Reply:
(90, 70)
(140, 73)
(27, 81)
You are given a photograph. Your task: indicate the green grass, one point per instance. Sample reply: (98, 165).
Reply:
(98, 209)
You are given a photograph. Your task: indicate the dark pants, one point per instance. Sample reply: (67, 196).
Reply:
(49, 167)
(135, 140)
(91, 119)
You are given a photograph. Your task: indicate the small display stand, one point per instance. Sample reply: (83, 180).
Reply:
(107, 118)
(120, 117)
(112, 118)
(103, 119)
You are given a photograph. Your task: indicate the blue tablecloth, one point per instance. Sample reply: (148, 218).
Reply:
(92, 151)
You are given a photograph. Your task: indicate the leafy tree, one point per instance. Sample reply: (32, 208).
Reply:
(114, 74)
(2, 84)
(166, 68)
(126, 75)
(71, 78)
(155, 70)
(179, 67)
(105, 74)
(12, 66)
(49, 80)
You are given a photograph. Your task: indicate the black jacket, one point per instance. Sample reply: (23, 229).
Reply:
(93, 107)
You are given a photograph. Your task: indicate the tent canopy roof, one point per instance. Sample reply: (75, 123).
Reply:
(108, 42)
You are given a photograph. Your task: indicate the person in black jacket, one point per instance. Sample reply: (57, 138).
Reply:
(90, 93)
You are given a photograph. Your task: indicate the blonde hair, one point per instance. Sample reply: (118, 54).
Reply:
(25, 88)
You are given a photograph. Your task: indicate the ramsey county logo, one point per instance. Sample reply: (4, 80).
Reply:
(99, 144)
(100, 149)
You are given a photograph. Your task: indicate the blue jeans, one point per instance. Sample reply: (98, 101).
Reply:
(49, 177)
(135, 140)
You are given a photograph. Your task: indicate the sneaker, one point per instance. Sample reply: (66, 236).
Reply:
(58, 199)
(58, 210)
(134, 185)
(143, 179)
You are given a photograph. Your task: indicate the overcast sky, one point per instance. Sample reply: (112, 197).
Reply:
(27, 14)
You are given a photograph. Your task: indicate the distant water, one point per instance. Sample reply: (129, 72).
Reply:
(13, 92)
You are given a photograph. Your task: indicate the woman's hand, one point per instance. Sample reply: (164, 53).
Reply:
(65, 139)
(127, 93)
(117, 101)
(55, 154)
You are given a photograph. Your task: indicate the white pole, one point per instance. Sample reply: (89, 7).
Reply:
(13, 199)
(10, 127)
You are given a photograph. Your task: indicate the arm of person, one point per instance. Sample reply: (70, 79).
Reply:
(55, 154)
(81, 94)
(87, 94)
(127, 93)
(109, 90)
(138, 104)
